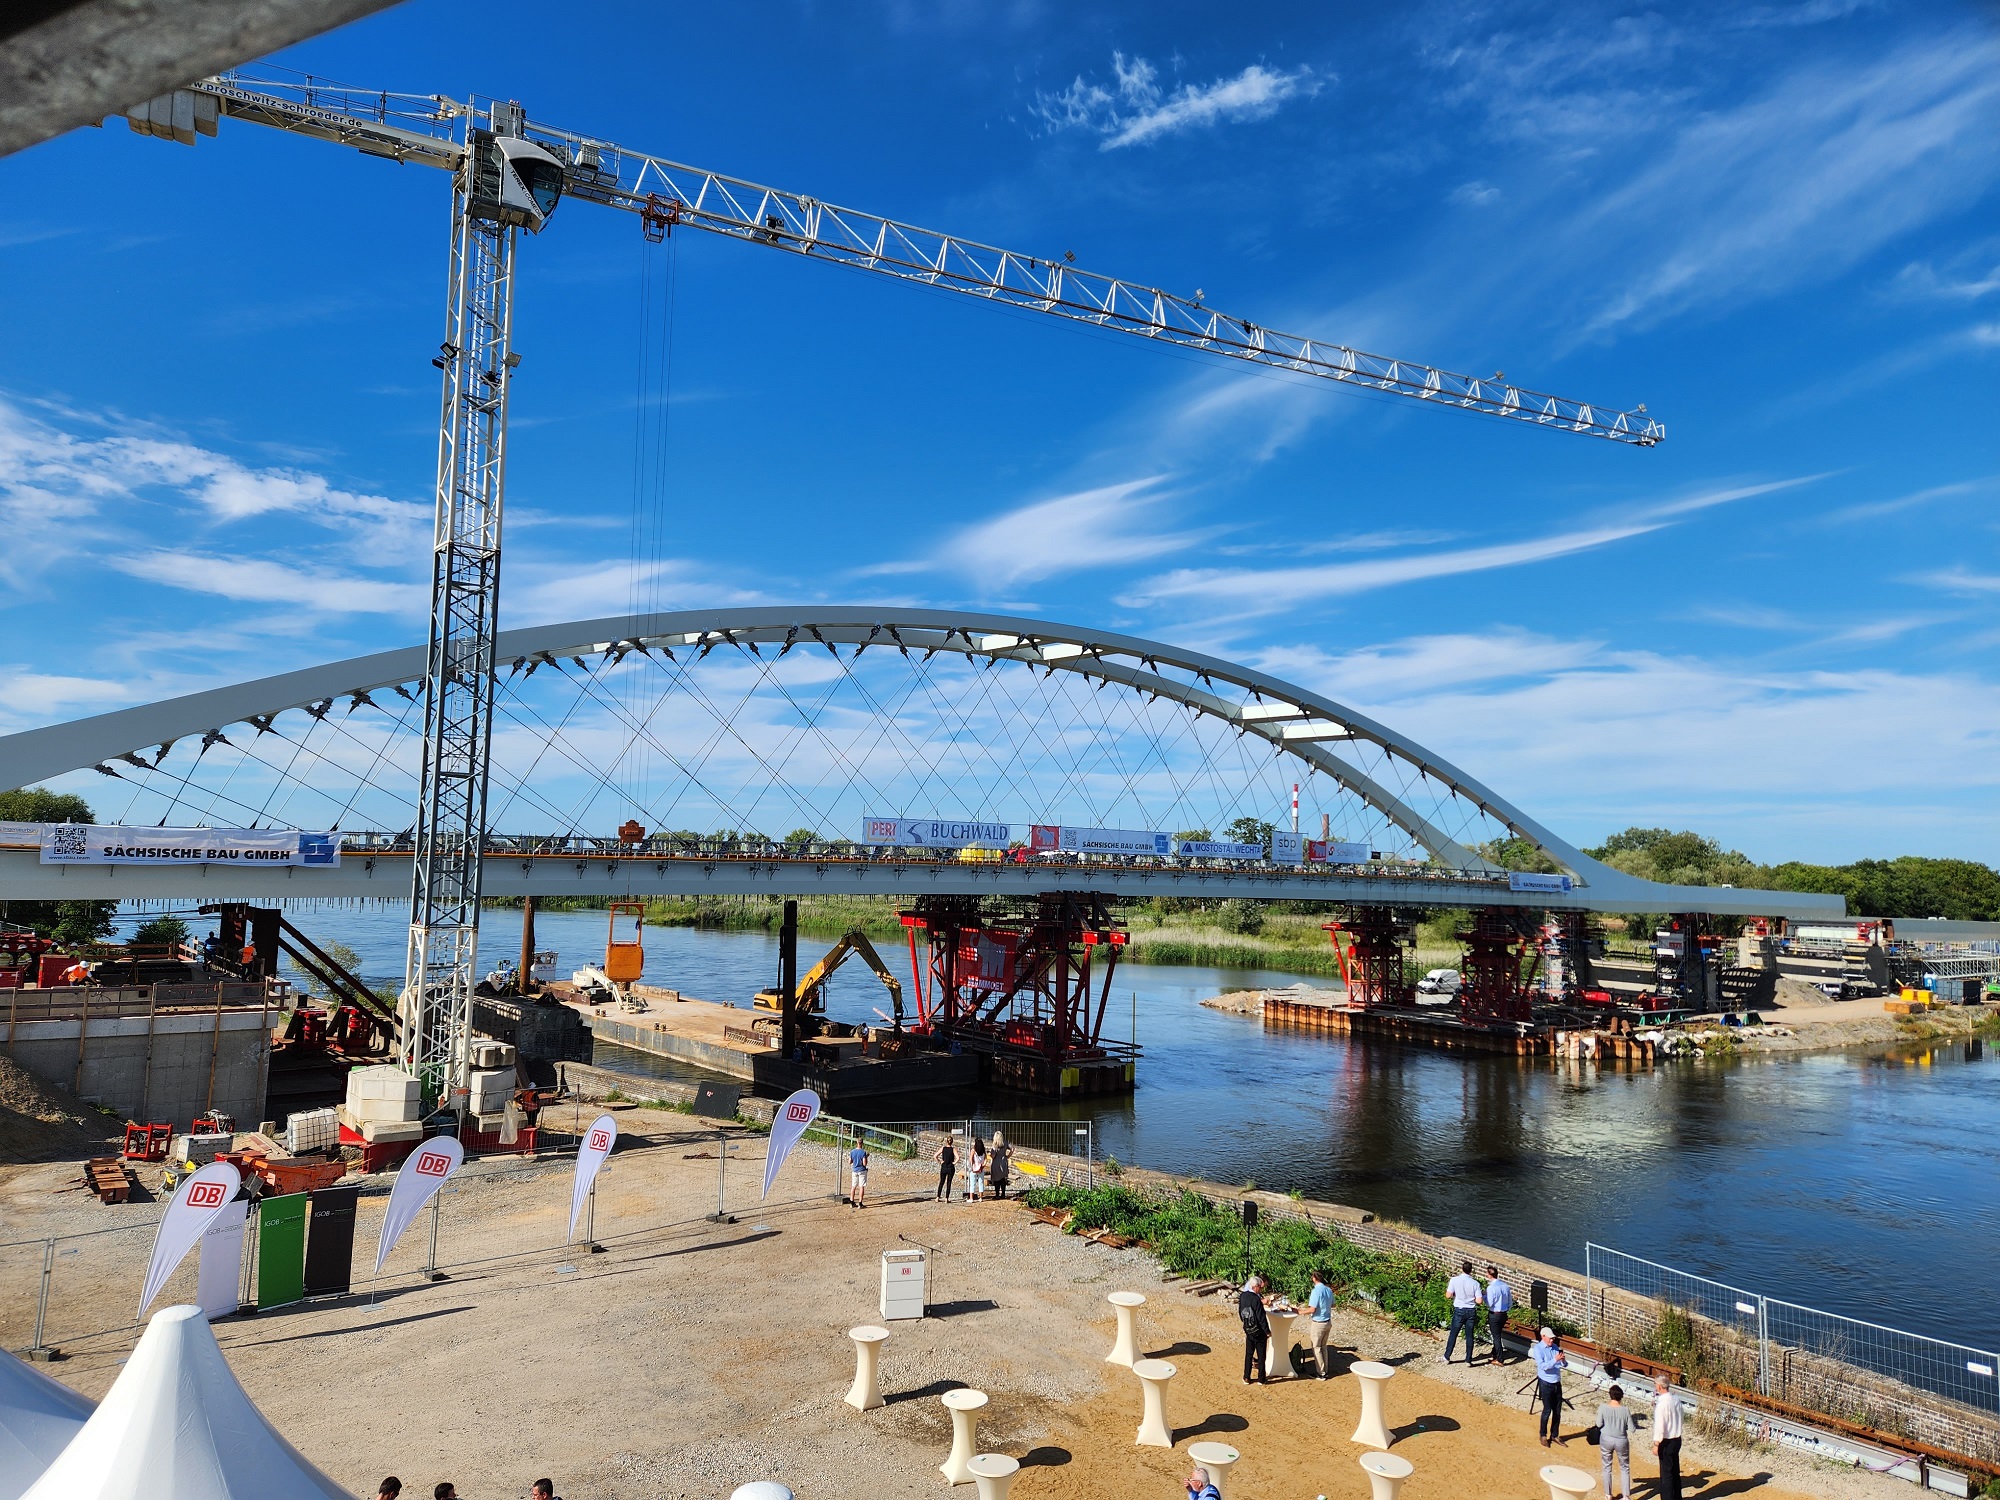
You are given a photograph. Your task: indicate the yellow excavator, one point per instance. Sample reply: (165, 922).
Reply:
(812, 984)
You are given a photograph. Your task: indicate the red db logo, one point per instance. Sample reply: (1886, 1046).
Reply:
(599, 1141)
(433, 1163)
(204, 1195)
(798, 1112)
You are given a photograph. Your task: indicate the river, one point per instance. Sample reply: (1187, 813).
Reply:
(1860, 1183)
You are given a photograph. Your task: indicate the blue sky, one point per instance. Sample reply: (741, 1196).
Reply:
(1776, 225)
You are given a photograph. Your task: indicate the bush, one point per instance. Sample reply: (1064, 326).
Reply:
(1244, 918)
(160, 931)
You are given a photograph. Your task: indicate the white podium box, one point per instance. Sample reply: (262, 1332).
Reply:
(903, 1283)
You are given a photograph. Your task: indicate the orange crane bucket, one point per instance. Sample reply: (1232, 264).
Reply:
(625, 958)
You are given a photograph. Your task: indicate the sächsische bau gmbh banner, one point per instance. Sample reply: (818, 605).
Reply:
(114, 844)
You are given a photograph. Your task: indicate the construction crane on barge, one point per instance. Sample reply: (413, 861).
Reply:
(509, 173)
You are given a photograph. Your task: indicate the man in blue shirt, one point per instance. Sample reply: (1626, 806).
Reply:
(1319, 1302)
(1549, 1367)
(857, 1166)
(1499, 1302)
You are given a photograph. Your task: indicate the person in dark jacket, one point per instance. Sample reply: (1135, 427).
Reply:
(1256, 1329)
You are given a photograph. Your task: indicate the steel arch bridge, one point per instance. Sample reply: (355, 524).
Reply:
(826, 714)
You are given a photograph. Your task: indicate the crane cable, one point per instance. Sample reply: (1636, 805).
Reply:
(652, 416)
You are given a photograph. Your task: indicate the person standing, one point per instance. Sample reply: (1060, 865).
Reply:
(444, 1489)
(1667, 1438)
(1499, 1302)
(389, 1488)
(1466, 1295)
(999, 1163)
(1614, 1442)
(947, 1160)
(1256, 1329)
(975, 1171)
(1549, 1367)
(544, 1489)
(1319, 1302)
(857, 1176)
(1201, 1487)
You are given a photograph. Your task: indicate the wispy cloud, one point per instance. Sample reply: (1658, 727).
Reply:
(1871, 509)
(1135, 109)
(1253, 591)
(1961, 580)
(258, 580)
(1094, 528)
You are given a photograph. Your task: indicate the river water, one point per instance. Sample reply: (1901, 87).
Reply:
(1863, 1184)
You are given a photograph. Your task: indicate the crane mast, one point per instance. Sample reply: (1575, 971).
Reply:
(507, 175)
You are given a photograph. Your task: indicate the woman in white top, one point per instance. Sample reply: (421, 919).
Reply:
(975, 1171)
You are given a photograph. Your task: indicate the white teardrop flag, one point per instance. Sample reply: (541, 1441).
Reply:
(200, 1199)
(597, 1144)
(424, 1172)
(793, 1117)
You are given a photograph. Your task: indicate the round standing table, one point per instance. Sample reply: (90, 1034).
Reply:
(1125, 1350)
(994, 1473)
(1153, 1429)
(964, 1405)
(1386, 1473)
(760, 1489)
(1218, 1459)
(866, 1393)
(1566, 1483)
(1371, 1431)
(1278, 1353)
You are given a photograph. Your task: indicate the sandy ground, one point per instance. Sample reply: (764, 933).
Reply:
(692, 1356)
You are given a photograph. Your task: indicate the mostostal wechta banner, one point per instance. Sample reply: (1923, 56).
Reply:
(200, 1199)
(597, 1144)
(791, 1121)
(424, 1172)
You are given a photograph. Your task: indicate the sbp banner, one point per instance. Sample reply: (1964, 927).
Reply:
(934, 833)
(597, 1144)
(111, 844)
(219, 1282)
(424, 1172)
(791, 1121)
(1288, 848)
(203, 1196)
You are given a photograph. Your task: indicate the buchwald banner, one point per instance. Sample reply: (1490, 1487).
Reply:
(790, 1122)
(194, 1207)
(1217, 849)
(597, 1144)
(934, 833)
(424, 1172)
(111, 844)
(1520, 880)
(219, 1282)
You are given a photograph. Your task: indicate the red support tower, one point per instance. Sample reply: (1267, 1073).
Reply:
(1012, 981)
(1371, 961)
(1495, 991)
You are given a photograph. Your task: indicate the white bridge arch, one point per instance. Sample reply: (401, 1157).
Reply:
(1325, 738)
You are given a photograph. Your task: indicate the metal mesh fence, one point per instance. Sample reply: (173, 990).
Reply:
(1800, 1355)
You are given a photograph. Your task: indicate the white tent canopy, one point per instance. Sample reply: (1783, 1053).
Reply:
(178, 1426)
(38, 1417)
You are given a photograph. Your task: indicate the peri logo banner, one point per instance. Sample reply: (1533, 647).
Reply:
(194, 1207)
(935, 833)
(112, 844)
(424, 1172)
(793, 1117)
(597, 1144)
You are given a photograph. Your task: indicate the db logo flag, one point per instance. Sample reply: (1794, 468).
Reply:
(794, 1115)
(597, 1144)
(423, 1174)
(200, 1199)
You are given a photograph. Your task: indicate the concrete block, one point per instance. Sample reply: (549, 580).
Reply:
(490, 1054)
(365, 1110)
(374, 1132)
(386, 1084)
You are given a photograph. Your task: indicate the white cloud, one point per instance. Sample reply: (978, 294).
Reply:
(540, 590)
(1136, 110)
(1961, 580)
(1475, 194)
(1095, 528)
(1922, 280)
(262, 581)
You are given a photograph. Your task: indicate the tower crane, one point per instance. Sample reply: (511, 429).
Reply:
(508, 175)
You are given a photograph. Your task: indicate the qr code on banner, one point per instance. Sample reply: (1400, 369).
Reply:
(67, 841)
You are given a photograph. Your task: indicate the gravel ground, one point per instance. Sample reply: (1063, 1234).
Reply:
(692, 1356)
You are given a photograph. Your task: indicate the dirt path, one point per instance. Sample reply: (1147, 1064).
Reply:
(690, 1356)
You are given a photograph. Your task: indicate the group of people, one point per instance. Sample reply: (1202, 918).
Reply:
(987, 1170)
(1470, 1303)
(392, 1489)
(1254, 1305)
(1613, 1430)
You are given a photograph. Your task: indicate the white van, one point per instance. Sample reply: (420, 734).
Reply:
(1440, 982)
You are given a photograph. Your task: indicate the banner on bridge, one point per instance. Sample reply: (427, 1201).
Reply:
(1335, 852)
(1217, 849)
(934, 833)
(114, 844)
(1044, 836)
(1521, 880)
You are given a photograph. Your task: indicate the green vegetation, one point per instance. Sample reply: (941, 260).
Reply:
(160, 932)
(71, 923)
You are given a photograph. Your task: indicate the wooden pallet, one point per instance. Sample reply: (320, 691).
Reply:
(109, 1178)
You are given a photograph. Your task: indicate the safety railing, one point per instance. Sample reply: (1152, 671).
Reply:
(1789, 1352)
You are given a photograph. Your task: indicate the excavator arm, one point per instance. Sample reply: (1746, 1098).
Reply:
(812, 984)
